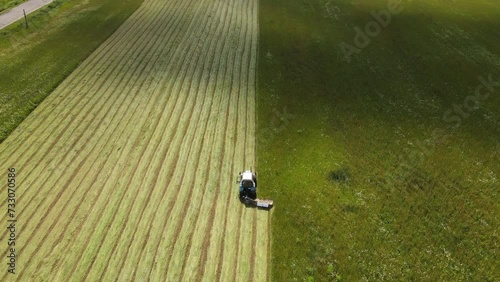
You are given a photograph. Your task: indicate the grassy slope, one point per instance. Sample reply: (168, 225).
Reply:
(34, 61)
(8, 4)
(421, 199)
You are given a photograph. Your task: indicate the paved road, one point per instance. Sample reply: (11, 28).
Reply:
(17, 12)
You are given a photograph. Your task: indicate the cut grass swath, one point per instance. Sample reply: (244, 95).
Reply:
(128, 165)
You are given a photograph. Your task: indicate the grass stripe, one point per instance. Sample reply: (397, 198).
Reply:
(166, 127)
(37, 178)
(34, 118)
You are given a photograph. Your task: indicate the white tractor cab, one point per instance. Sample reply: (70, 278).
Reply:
(248, 191)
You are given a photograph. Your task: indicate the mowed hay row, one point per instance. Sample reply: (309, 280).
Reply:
(127, 169)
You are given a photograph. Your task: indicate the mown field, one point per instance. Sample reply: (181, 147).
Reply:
(60, 36)
(383, 168)
(126, 170)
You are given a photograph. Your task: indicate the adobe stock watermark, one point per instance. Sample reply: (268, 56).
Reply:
(412, 158)
(462, 111)
(278, 123)
(362, 38)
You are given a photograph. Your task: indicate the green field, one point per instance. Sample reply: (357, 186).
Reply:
(380, 151)
(126, 171)
(376, 171)
(34, 61)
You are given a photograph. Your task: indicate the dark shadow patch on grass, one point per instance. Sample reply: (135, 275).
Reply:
(419, 180)
(350, 208)
(339, 175)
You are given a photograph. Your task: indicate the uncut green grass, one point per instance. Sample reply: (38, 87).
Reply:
(6, 5)
(34, 61)
(402, 213)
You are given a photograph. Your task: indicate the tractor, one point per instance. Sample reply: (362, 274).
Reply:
(248, 191)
